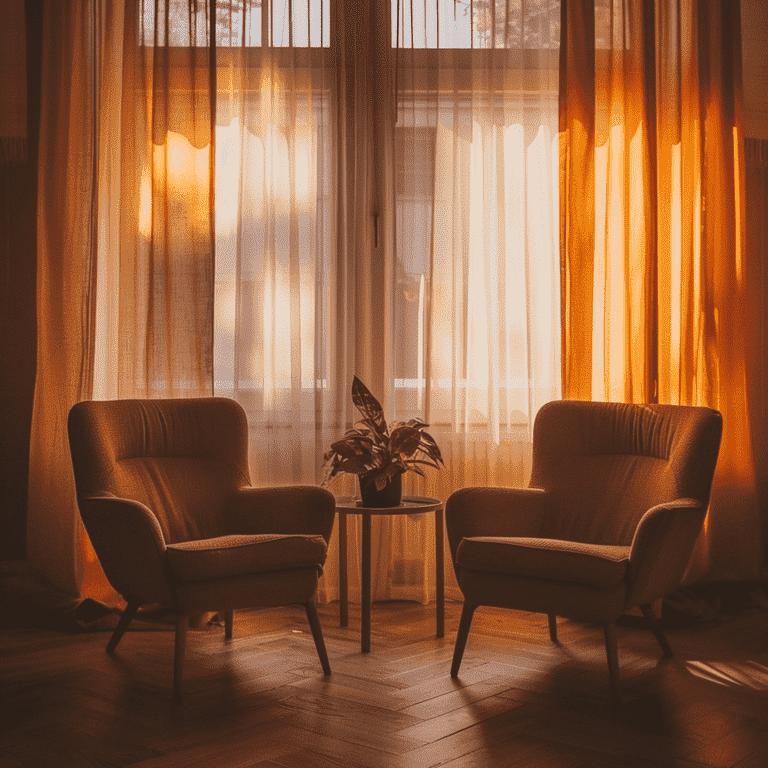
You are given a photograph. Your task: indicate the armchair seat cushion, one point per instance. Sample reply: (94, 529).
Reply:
(227, 556)
(596, 565)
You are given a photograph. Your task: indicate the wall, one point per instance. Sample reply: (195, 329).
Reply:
(18, 243)
(754, 33)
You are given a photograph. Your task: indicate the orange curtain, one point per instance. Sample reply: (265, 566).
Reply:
(162, 310)
(656, 305)
(125, 233)
(65, 288)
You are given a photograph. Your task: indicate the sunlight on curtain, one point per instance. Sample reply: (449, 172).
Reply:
(654, 260)
(476, 303)
(153, 308)
(57, 546)
(155, 292)
(273, 279)
(277, 349)
(389, 212)
(468, 230)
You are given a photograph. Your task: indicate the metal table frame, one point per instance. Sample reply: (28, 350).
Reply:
(410, 505)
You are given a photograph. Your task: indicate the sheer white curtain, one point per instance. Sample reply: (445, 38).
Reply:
(386, 205)
(292, 267)
(476, 305)
(276, 282)
(382, 195)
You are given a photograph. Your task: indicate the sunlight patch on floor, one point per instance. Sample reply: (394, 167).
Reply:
(746, 674)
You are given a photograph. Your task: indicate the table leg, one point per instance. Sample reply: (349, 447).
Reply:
(365, 628)
(440, 570)
(343, 577)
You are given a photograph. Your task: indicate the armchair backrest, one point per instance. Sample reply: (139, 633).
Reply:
(182, 458)
(606, 464)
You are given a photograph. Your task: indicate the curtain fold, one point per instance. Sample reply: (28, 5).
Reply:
(654, 253)
(66, 236)
(475, 285)
(162, 314)
(292, 170)
(125, 232)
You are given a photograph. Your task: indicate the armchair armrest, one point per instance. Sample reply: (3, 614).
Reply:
(661, 548)
(130, 546)
(486, 511)
(291, 509)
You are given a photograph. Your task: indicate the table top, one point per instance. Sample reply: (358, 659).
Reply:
(408, 506)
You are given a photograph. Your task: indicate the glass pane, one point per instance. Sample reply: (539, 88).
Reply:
(311, 26)
(239, 23)
(173, 23)
(475, 23)
(273, 206)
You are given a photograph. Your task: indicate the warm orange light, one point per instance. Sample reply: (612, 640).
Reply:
(180, 172)
(145, 204)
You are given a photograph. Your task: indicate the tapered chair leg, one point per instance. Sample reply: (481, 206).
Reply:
(552, 627)
(182, 624)
(467, 612)
(122, 625)
(228, 625)
(317, 634)
(648, 613)
(612, 652)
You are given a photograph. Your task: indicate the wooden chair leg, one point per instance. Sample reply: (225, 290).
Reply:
(182, 624)
(467, 612)
(317, 634)
(228, 624)
(612, 652)
(122, 625)
(552, 627)
(648, 613)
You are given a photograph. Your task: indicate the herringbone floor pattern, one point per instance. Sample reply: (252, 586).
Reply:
(261, 700)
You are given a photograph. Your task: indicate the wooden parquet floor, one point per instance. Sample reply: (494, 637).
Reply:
(261, 699)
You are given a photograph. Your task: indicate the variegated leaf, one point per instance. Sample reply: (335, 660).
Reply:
(368, 405)
(404, 441)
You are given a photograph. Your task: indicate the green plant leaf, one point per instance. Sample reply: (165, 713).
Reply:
(357, 465)
(373, 449)
(429, 447)
(369, 406)
(404, 441)
(351, 445)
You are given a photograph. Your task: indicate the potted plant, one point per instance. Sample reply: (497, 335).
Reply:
(379, 454)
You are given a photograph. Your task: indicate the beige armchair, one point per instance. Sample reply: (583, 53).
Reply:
(616, 501)
(164, 493)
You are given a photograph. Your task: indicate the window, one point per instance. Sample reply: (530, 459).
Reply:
(239, 23)
(478, 24)
(477, 127)
(474, 302)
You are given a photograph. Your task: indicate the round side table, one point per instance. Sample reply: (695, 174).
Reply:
(410, 505)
